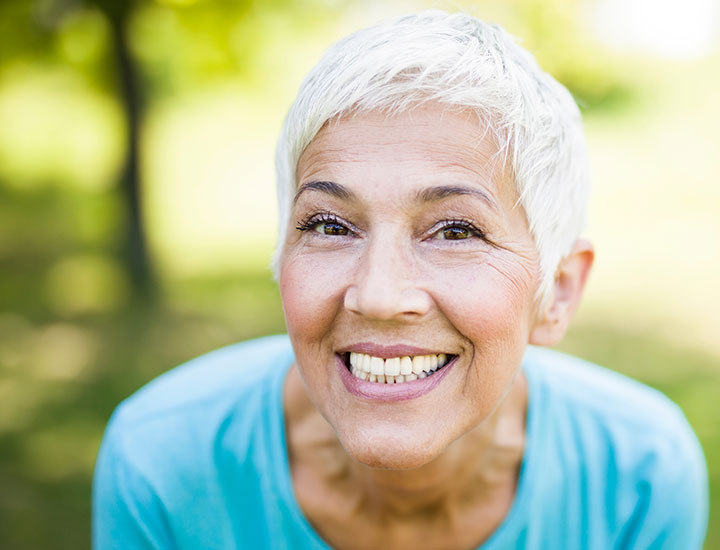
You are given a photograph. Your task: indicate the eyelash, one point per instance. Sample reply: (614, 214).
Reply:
(459, 222)
(313, 220)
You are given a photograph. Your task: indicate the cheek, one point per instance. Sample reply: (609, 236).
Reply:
(312, 292)
(491, 302)
(494, 315)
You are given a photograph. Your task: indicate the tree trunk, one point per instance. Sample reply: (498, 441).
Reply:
(135, 250)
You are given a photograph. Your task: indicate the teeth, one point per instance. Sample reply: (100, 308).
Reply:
(377, 366)
(392, 366)
(417, 364)
(395, 370)
(431, 363)
(366, 363)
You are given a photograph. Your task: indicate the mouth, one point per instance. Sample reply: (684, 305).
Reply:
(394, 370)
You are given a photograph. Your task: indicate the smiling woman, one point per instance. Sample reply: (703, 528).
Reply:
(416, 252)
(432, 186)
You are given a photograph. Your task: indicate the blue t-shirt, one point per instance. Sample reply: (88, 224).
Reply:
(197, 460)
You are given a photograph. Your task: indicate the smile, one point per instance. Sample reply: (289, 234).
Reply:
(394, 370)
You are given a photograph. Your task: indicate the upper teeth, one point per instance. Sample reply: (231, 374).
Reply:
(395, 369)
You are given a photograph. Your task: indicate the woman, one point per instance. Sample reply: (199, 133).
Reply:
(432, 187)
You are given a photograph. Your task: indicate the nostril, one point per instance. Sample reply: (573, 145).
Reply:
(387, 302)
(351, 299)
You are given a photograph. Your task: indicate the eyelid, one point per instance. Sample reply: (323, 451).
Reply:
(457, 222)
(311, 220)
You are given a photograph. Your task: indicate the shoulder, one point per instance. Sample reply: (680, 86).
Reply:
(630, 419)
(626, 442)
(213, 378)
(183, 412)
(608, 396)
(173, 448)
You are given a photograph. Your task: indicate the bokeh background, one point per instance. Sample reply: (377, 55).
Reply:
(137, 211)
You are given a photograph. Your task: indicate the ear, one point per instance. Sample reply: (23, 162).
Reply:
(570, 279)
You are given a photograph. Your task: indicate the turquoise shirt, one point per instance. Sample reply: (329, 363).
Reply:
(197, 459)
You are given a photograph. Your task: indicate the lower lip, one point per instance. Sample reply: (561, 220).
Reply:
(375, 391)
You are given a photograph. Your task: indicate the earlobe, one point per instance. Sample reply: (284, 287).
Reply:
(570, 279)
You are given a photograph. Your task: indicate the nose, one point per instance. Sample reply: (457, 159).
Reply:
(385, 285)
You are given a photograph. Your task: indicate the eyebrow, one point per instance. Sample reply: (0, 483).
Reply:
(329, 187)
(429, 194)
(440, 192)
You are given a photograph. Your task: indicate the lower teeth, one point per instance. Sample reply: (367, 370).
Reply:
(389, 379)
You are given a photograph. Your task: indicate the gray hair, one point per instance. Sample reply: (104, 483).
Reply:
(459, 61)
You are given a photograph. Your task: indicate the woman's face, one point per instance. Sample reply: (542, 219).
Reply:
(406, 251)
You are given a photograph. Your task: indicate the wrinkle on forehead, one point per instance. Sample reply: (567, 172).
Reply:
(472, 137)
(431, 139)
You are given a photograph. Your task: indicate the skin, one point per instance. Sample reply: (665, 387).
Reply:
(386, 258)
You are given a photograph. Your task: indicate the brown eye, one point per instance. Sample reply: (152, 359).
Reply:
(331, 228)
(327, 224)
(457, 230)
(454, 233)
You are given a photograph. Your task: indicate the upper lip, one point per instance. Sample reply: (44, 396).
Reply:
(388, 351)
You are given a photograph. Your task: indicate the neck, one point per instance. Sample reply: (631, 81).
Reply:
(471, 471)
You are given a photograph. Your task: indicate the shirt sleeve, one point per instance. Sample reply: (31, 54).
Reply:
(127, 512)
(676, 502)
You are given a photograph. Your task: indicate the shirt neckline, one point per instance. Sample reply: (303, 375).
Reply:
(506, 532)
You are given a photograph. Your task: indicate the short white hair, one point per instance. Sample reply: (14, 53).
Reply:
(462, 62)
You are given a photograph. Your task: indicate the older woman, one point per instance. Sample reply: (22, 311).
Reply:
(432, 186)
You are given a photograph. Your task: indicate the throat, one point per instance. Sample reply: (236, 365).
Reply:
(408, 510)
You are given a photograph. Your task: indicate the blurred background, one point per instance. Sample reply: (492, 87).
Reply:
(137, 212)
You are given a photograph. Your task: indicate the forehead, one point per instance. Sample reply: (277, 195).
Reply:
(429, 144)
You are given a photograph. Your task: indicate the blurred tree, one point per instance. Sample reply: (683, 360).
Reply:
(135, 250)
(29, 30)
(154, 49)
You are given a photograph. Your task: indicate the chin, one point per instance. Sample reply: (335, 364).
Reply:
(399, 450)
